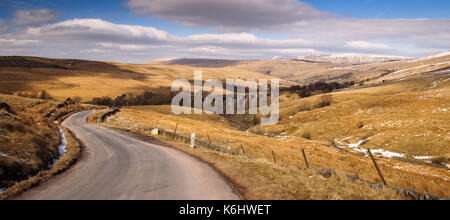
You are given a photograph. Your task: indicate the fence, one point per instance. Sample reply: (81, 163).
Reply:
(406, 192)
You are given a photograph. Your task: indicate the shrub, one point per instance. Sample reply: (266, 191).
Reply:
(325, 101)
(40, 142)
(306, 135)
(439, 160)
(305, 106)
(77, 99)
(45, 95)
(35, 95)
(18, 126)
(361, 125)
(8, 126)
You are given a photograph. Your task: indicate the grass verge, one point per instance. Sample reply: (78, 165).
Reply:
(259, 179)
(73, 148)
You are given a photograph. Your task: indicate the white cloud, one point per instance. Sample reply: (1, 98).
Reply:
(101, 40)
(98, 30)
(18, 42)
(363, 45)
(296, 19)
(35, 17)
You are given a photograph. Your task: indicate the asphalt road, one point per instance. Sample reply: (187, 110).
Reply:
(117, 167)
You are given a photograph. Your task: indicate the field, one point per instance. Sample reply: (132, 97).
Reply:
(398, 109)
(409, 117)
(88, 79)
(395, 118)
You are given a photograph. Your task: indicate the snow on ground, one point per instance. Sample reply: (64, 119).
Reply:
(62, 147)
(381, 152)
(436, 83)
(388, 154)
(423, 157)
(437, 55)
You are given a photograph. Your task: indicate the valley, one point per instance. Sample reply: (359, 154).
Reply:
(398, 109)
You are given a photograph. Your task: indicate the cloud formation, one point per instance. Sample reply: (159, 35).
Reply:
(98, 30)
(229, 14)
(98, 39)
(296, 19)
(3, 27)
(304, 29)
(35, 17)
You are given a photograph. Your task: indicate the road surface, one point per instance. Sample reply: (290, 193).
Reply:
(117, 167)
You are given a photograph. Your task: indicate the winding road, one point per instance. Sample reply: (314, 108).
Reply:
(118, 167)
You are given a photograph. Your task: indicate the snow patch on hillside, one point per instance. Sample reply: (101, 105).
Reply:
(437, 55)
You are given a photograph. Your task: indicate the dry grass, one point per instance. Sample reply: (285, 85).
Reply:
(259, 179)
(73, 152)
(310, 72)
(408, 117)
(396, 101)
(29, 141)
(263, 180)
(87, 79)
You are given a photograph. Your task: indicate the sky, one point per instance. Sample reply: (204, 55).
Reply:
(139, 31)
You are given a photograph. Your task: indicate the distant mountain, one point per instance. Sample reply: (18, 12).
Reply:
(197, 62)
(436, 55)
(352, 58)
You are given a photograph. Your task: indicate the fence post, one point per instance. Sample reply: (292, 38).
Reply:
(377, 167)
(209, 139)
(175, 133)
(306, 159)
(243, 150)
(274, 157)
(193, 140)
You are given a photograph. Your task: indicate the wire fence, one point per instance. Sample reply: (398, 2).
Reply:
(326, 173)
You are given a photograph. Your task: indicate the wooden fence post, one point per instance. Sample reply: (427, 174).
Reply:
(243, 150)
(193, 140)
(175, 133)
(377, 167)
(274, 157)
(306, 159)
(209, 139)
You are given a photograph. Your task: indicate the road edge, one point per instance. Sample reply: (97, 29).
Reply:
(235, 187)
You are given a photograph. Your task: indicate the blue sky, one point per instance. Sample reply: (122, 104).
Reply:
(297, 28)
(114, 10)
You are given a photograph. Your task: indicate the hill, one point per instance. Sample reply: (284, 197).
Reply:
(352, 58)
(336, 68)
(405, 123)
(88, 79)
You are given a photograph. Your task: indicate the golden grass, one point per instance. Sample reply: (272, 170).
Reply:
(73, 152)
(408, 117)
(263, 180)
(397, 101)
(306, 72)
(87, 79)
(29, 141)
(259, 179)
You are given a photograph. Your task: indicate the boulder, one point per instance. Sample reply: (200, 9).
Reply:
(155, 132)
